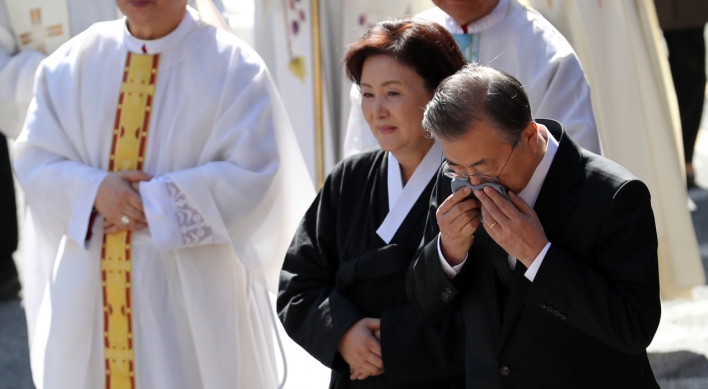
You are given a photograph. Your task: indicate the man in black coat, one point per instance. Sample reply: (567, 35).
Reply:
(559, 286)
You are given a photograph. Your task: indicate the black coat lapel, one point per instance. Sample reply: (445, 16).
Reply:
(556, 199)
(552, 207)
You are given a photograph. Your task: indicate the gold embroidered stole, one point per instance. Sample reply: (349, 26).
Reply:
(127, 153)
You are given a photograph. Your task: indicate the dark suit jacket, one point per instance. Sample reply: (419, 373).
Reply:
(593, 308)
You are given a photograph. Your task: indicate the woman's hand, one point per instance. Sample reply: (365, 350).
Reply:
(362, 350)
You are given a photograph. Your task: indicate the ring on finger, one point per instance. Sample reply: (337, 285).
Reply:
(492, 225)
(125, 219)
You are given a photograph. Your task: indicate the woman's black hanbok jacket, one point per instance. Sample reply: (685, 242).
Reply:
(338, 270)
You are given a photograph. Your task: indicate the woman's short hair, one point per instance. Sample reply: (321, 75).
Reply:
(423, 46)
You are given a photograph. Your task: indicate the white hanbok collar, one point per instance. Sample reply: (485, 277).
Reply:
(401, 199)
(160, 45)
(485, 23)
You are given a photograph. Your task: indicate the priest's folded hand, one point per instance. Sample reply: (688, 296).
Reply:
(117, 199)
(458, 219)
(362, 350)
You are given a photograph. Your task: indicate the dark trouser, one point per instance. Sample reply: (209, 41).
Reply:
(687, 57)
(8, 215)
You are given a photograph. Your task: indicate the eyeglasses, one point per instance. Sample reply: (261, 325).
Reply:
(482, 175)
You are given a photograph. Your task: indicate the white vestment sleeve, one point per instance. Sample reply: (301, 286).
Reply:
(223, 193)
(161, 214)
(248, 190)
(16, 78)
(175, 220)
(60, 187)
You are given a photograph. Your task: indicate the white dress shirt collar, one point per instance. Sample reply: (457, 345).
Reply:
(533, 188)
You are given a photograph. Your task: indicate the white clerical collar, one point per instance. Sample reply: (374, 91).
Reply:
(486, 22)
(533, 188)
(159, 45)
(401, 199)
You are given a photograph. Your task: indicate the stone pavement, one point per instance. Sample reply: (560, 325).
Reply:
(14, 352)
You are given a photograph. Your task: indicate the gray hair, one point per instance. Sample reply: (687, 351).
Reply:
(473, 93)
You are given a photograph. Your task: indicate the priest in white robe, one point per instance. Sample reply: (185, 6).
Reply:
(29, 31)
(506, 35)
(164, 285)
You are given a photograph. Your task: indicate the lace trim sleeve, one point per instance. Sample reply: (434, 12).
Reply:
(193, 226)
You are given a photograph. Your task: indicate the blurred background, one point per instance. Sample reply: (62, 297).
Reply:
(610, 37)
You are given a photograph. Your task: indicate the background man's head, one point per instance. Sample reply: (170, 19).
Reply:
(466, 11)
(480, 116)
(152, 19)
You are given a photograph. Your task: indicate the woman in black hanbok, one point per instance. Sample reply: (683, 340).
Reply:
(342, 288)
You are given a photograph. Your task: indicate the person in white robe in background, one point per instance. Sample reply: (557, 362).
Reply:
(621, 48)
(18, 65)
(519, 41)
(223, 188)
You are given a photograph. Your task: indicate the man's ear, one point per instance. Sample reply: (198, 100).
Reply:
(530, 135)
